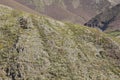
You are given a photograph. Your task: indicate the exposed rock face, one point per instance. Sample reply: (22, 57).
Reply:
(107, 20)
(52, 50)
(23, 23)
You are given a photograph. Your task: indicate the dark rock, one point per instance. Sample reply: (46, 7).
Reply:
(23, 23)
(105, 19)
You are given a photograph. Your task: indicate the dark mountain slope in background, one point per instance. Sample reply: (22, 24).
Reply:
(39, 48)
(108, 20)
(78, 11)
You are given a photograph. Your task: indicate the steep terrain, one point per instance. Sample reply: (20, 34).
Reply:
(108, 20)
(39, 48)
(78, 11)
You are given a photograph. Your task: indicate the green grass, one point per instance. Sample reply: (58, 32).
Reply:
(114, 33)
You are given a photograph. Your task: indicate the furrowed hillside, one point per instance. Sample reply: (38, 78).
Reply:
(39, 48)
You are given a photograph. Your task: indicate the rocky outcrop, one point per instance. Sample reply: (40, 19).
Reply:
(23, 23)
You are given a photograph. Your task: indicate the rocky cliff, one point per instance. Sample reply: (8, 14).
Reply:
(39, 48)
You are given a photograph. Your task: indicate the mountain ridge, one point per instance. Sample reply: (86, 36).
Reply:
(82, 10)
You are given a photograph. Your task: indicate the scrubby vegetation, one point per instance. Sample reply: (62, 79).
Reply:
(51, 50)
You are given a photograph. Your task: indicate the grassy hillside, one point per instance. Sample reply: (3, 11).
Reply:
(18, 6)
(39, 48)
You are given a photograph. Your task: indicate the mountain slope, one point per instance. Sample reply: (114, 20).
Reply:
(18, 6)
(108, 20)
(39, 48)
(78, 11)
